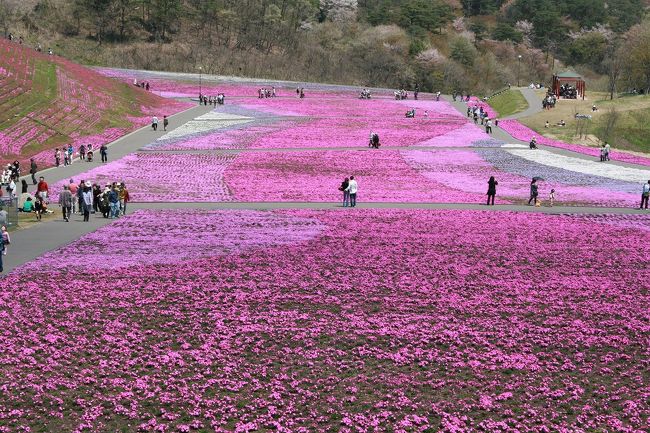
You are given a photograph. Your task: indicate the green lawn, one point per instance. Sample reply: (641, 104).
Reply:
(508, 103)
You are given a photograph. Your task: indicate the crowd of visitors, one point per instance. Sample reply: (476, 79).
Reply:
(206, 100)
(88, 198)
(266, 93)
(568, 91)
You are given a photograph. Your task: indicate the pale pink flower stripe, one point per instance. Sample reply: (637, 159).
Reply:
(163, 177)
(148, 237)
(345, 107)
(354, 132)
(530, 314)
(523, 133)
(465, 136)
(468, 171)
(316, 176)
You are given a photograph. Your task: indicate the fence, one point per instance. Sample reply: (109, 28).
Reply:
(9, 212)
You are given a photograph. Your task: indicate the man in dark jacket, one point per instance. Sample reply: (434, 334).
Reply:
(32, 170)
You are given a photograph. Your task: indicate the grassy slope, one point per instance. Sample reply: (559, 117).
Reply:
(508, 103)
(61, 100)
(630, 133)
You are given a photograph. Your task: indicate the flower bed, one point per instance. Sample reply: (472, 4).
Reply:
(314, 176)
(523, 133)
(388, 320)
(161, 177)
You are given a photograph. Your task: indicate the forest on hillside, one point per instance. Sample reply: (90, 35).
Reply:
(470, 45)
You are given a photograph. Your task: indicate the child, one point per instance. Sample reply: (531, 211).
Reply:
(552, 197)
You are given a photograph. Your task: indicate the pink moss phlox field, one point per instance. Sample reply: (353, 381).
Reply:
(316, 176)
(466, 170)
(465, 136)
(355, 132)
(346, 107)
(163, 177)
(81, 105)
(145, 237)
(526, 323)
(475, 102)
(523, 133)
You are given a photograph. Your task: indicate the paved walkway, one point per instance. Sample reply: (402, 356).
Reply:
(121, 147)
(502, 135)
(534, 103)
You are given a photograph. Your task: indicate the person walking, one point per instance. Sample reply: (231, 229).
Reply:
(32, 169)
(645, 194)
(24, 187)
(154, 123)
(80, 196)
(103, 151)
(39, 208)
(7, 240)
(346, 193)
(87, 197)
(492, 190)
(65, 202)
(607, 149)
(2, 253)
(114, 200)
(73, 190)
(352, 188)
(124, 198)
(165, 123)
(82, 152)
(57, 157)
(42, 189)
(11, 188)
(534, 191)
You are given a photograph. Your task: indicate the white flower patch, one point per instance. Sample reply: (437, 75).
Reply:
(205, 123)
(594, 168)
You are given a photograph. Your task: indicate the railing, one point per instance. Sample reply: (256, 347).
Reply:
(505, 89)
(9, 212)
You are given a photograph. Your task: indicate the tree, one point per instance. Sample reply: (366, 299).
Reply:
(637, 60)
(588, 49)
(165, 14)
(462, 51)
(613, 64)
(426, 14)
(479, 29)
(505, 32)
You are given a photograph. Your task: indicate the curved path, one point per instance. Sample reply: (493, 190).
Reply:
(502, 135)
(534, 104)
(30, 243)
